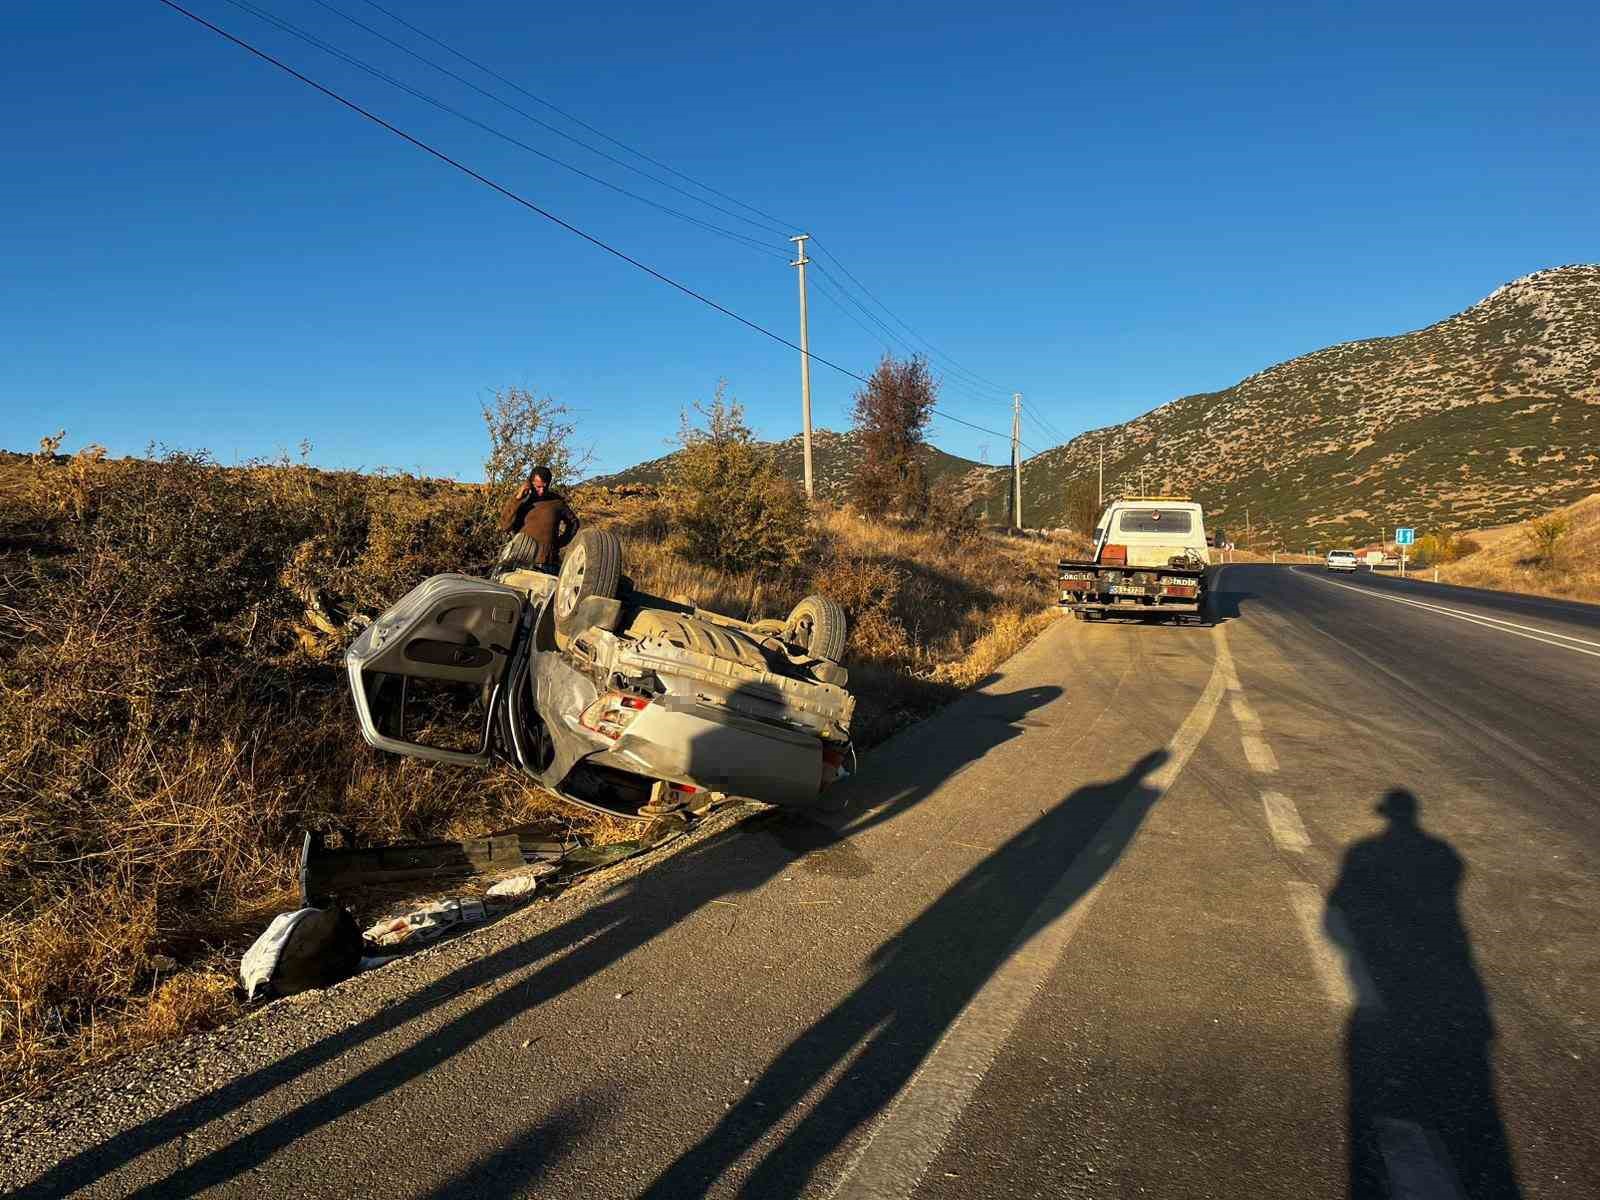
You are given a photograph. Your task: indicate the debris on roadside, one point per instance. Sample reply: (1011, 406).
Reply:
(299, 950)
(426, 924)
(328, 871)
(523, 884)
(320, 943)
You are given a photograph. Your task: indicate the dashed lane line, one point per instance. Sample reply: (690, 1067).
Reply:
(1284, 821)
(1338, 963)
(897, 1149)
(1259, 754)
(1548, 637)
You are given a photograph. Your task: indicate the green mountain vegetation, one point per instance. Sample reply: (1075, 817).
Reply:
(1488, 417)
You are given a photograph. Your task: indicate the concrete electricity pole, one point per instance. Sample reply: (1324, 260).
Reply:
(1016, 456)
(1102, 501)
(805, 361)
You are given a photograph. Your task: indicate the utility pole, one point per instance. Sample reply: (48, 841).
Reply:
(1102, 500)
(1016, 456)
(1248, 540)
(805, 360)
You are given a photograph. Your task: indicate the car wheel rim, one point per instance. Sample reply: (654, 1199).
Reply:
(574, 573)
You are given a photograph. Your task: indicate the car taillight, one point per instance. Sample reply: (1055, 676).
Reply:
(612, 713)
(832, 764)
(1113, 552)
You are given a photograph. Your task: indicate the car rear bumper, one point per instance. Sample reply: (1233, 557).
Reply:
(713, 749)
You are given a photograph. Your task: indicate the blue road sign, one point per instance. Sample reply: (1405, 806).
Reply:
(1405, 536)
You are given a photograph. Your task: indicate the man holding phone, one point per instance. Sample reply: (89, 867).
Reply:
(542, 517)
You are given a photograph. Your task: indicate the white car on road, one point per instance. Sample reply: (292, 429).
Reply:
(1342, 560)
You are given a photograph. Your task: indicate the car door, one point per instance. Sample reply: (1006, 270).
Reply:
(426, 675)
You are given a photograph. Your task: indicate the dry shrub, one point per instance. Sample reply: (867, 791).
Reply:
(730, 506)
(164, 734)
(1544, 538)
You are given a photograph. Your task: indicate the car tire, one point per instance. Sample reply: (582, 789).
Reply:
(591, 566)
(817, 625)
(521, 551)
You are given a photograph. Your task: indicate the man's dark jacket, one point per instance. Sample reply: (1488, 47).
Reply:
(546, 519)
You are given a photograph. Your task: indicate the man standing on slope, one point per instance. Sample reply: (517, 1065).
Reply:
(540, 520)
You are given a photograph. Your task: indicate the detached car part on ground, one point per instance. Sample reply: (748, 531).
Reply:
(1151, 560)
(615, 700)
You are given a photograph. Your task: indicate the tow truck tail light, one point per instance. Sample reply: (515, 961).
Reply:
(612, 713)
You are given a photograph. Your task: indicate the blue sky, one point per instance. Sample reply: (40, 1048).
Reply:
(1101, 208)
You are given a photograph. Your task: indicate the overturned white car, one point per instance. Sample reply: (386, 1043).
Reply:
(614, 700)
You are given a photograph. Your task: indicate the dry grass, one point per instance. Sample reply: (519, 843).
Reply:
(1511, 558)
(172, 709)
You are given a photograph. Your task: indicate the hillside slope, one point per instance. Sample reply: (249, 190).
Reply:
(1489, 416)
(1506, 557)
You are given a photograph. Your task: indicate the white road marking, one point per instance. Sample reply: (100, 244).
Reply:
(1531, 632)
(1333, 950)
(1243, 713)
(912, 1128)
(1284, 821)
(1260, 756)
(1416, 1171)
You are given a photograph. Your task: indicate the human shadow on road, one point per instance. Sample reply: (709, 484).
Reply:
(1419, 1056)
(545, 965)
(918, 984)
(1223, 603)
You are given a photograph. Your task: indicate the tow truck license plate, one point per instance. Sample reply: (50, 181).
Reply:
(1123, 589)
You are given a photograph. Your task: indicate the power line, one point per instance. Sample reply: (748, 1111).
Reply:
(780, 225)
(765, 226)
(817, 286)
(377, 73)
(931, 347)
(1043, 425)
(1037, 424)
(970, 392)
(529, 204)
(961, 380)
(1049, 424)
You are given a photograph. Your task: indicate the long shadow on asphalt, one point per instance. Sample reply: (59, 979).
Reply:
(919, 982)
(549, 963)
(1419, 1064)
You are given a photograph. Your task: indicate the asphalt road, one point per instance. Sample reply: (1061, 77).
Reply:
(1300, 905)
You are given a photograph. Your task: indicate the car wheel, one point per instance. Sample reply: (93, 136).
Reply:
(817, 626)
(592, 566)
(521, 551)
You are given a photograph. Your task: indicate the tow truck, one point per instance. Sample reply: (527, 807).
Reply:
(1150, 560)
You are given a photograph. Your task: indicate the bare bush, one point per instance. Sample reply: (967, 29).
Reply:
(527, 431)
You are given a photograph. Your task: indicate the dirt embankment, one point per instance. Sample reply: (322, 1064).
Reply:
(1516, 558)
(172, 708)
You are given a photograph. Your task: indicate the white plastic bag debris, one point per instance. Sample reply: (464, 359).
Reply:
(427, 923)
(524, 883)
(515, 888)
